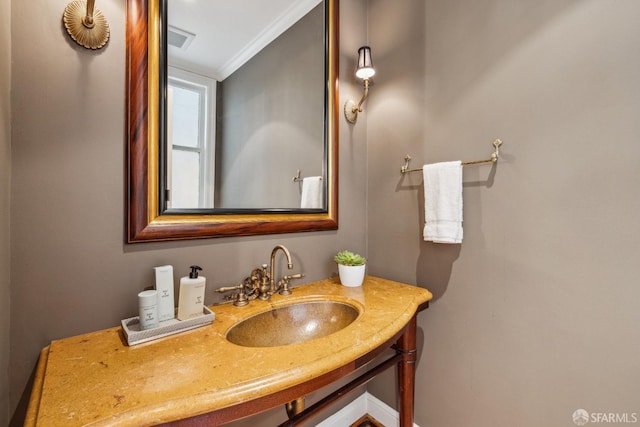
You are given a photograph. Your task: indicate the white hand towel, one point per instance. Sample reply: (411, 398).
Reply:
(443, 202)
(312, 193)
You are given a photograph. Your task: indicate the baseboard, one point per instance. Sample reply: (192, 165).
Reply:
(363, 404)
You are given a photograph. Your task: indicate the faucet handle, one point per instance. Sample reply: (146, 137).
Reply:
(241, 298)
(229, 288)
(284, 283)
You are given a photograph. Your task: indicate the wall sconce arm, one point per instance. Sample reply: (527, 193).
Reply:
(351, 109)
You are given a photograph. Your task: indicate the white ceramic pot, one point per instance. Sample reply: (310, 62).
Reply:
(351, 275)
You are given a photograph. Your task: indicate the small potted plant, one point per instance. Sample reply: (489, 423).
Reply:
(351, 267)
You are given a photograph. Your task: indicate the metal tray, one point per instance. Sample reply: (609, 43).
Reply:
(133, 334)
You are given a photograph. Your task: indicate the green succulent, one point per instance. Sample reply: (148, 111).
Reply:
(349, 258)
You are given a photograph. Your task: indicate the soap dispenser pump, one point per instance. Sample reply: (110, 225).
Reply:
(191, 298)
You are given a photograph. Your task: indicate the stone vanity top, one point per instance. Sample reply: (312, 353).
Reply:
(97, 379)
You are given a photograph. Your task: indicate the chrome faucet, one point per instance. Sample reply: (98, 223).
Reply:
(272, 266)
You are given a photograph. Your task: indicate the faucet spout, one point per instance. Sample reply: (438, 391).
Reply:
(272, 265)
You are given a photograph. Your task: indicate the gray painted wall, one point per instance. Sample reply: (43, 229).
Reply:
(271, 122)
(536, 313)
(5, 200)
(71, 271)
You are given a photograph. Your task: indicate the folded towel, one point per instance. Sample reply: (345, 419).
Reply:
(312, 194)
(443, 202)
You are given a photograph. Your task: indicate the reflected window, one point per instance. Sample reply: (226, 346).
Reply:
(190, 132)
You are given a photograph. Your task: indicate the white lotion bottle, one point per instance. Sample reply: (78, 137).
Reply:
(164, 286)
(191, 298)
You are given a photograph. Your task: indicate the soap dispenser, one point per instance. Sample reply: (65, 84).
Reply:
(191, 298)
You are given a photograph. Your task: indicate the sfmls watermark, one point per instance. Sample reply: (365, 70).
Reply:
(582, 417)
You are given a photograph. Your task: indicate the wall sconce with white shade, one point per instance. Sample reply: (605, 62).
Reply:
(87, 26)
(365, 71)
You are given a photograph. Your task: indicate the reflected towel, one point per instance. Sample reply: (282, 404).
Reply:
(443, 202)
(312, 193)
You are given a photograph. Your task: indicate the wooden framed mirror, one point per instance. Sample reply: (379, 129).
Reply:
(149, 218)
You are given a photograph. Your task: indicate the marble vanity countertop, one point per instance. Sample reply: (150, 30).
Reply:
(96, 379)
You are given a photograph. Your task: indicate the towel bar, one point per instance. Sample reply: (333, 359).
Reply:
(297, 178)
(494, 158)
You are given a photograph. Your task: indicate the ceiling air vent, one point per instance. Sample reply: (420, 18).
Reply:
(179, 38)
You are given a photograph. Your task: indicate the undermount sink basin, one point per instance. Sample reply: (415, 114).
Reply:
(292, 324)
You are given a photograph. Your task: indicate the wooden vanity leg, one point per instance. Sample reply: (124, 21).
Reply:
(407, 373)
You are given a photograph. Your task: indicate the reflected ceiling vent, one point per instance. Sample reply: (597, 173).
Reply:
(179, 38)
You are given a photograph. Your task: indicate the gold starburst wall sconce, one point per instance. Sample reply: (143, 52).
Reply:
(86, 25)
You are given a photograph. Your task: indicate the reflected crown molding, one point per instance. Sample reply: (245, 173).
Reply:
(269, 34)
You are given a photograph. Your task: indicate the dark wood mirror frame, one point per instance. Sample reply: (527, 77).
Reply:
(145, 224)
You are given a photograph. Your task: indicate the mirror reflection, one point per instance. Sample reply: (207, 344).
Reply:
(245, 106)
